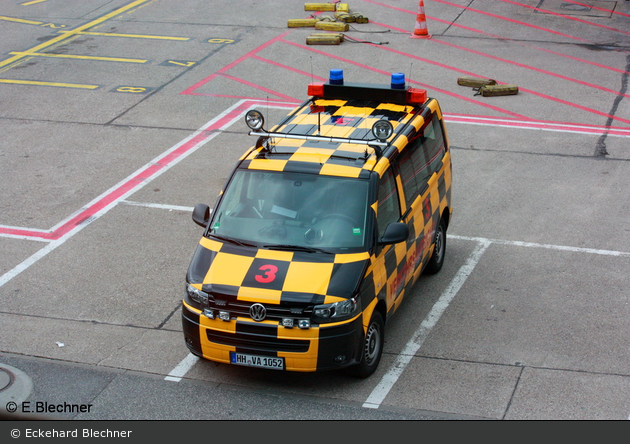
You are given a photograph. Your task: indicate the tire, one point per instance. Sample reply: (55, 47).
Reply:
(439, 252)
(372, 349)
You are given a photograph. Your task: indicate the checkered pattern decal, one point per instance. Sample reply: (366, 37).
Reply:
(275, 277)
(404, 262)
(338, 119)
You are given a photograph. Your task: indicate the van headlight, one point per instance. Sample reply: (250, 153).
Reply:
(196, 295)
(337, 311)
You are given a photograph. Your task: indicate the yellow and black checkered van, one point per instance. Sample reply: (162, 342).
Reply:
(323, 227)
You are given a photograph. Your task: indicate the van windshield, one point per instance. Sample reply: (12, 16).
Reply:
(287, 209)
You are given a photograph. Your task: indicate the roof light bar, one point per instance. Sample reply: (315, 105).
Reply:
(397, 92)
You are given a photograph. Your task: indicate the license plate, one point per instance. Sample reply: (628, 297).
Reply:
(257, 361)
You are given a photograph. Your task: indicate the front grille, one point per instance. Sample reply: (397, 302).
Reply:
(274, 312)
(258, 342)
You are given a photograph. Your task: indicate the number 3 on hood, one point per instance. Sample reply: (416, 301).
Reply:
(268, 275)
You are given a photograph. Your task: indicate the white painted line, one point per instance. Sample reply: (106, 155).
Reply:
(389, 379)
(6, 277)
(548, 246)
(31, 238)
(158, 206)
(182, 368)
(537, 125)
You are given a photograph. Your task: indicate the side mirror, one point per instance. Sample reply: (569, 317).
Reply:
(394, 233)
(201, 215)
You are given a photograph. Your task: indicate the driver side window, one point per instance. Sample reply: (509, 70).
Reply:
(388, 210)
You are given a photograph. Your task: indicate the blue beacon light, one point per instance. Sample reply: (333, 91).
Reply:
(398, 80)
(336, 77)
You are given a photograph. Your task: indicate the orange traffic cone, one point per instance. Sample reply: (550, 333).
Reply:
(421, 31)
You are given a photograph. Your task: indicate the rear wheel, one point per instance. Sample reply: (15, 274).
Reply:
(439, 251)
(372, 347)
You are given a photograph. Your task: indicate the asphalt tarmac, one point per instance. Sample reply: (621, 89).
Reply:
(119, 116)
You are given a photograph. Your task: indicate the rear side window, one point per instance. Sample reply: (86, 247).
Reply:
(407, 166)
(433, 145)
(422, 158)
(388, 204)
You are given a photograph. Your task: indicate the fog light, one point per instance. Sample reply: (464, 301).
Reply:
(208, 313)
(304, 323)
(287, 322)
(224, 315)
(340, 359)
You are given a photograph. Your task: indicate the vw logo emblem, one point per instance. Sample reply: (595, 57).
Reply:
(257, 312)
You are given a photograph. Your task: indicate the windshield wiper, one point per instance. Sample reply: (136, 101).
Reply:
(287, 247)
(232, 240)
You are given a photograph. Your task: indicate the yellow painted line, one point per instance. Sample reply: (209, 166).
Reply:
(67, 35)
(63, 85)
(11, 19)
(33, 2)
(138, 36)
(72, 56)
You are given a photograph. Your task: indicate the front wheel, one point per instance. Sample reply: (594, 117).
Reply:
(372, 347)
(439, 251)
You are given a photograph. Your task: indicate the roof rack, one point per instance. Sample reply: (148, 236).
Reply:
(371, 142)
(382, 129)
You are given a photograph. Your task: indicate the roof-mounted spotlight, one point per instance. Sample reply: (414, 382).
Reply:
(254, 119)
(382, 130)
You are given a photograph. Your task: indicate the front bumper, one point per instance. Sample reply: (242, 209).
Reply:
(321, 347)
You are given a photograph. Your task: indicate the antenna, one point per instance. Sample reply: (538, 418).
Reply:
(410, 70)
(319, 113)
